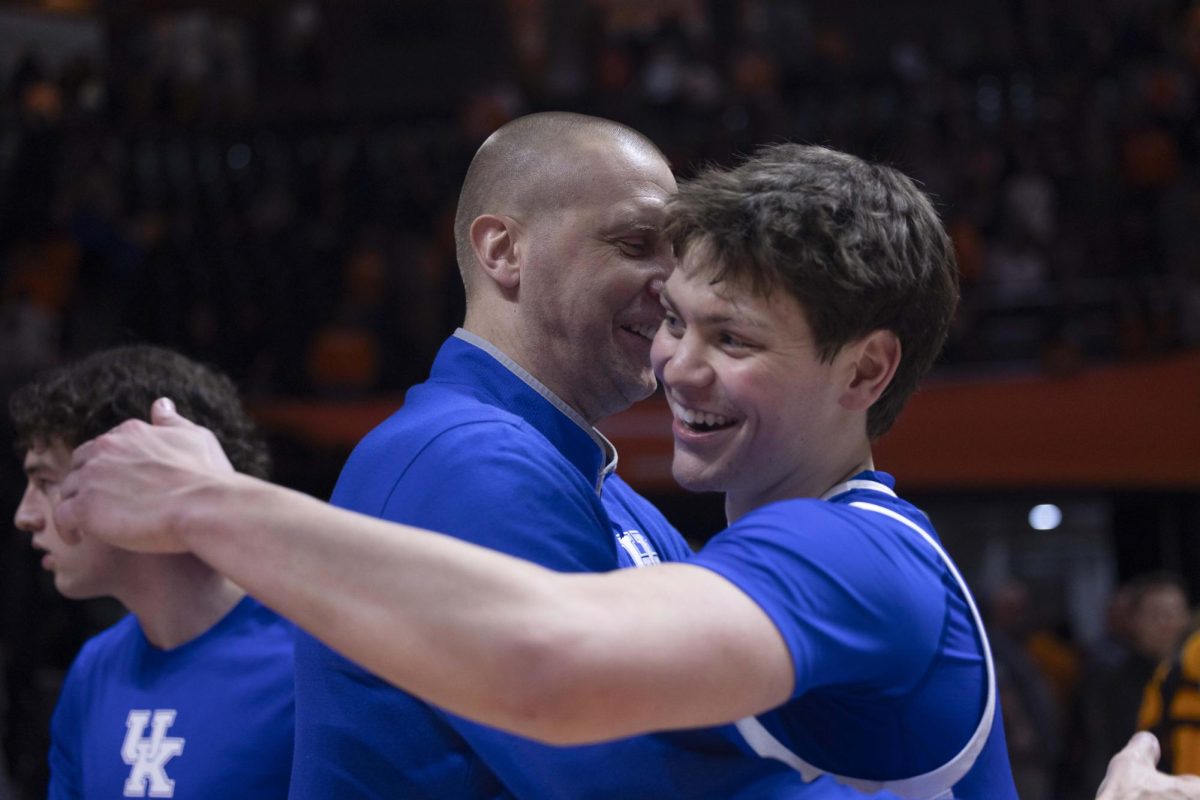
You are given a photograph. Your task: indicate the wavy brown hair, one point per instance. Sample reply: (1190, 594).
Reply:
(84, 399)
(858, 245)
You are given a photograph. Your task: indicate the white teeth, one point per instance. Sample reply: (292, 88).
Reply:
(693, 417)
(645, 331)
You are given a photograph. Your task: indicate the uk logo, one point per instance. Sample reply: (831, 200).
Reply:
(635, 544)
(148, 754)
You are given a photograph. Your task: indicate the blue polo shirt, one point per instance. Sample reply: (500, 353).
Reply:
(484, 452)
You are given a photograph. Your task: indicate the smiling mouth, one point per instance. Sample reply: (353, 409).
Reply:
(645, 331)
(700, 421)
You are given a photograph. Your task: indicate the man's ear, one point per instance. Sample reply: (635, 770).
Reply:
(495, 240)
(872, 365)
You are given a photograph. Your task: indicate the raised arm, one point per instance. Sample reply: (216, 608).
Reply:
(562, 658)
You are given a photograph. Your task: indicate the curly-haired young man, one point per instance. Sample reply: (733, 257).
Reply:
(190, 696)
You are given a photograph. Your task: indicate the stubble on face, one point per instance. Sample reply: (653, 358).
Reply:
(590, 293)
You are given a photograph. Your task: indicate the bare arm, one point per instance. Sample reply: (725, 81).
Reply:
(562, 658)
(1132, 775)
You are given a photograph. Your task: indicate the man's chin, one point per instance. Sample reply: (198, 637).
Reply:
(691, 479)
(73, 591)
(638, 388)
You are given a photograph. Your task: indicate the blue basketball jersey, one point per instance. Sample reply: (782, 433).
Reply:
(894, 684)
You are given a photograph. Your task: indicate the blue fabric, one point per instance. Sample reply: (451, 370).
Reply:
(478, 453)
(890, 677)
(231, 693)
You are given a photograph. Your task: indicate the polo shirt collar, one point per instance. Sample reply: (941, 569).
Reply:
(471, 359)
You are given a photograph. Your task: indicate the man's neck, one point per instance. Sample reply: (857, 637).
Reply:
(178, 598)
(512, 351)
(738, 504)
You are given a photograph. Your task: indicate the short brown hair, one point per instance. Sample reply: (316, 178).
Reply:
(857, 244)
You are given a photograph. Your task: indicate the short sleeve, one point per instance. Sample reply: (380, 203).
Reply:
(858, 607)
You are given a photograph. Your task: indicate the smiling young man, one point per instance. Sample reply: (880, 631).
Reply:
(813, 292)
(190, 696)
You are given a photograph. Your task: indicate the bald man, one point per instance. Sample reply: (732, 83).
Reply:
(559, 244)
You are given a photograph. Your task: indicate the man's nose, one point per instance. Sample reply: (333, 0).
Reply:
(29, 516)
(686, 366)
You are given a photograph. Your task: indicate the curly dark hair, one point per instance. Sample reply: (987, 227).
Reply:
(84, 399)
(858, 245)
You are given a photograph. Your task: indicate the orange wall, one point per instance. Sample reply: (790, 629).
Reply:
(1126, 426)
(1123, 426)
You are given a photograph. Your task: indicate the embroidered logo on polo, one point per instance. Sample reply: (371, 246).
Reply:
(148, 753)
(638, 548)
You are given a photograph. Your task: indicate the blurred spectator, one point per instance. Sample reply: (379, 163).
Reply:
(1171, 707)
(1114, 684)
(1032, 714)
(260, 167)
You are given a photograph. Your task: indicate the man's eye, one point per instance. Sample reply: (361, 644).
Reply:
(634, 247)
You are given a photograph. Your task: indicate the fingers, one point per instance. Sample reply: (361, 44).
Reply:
(164, 414)
(66, 520)
(80, 456)
(1144, 747)
(93, 447)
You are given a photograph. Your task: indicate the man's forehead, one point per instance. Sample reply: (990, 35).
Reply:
(642, 211)
(607, 164)
(53, 455)
(722, 300)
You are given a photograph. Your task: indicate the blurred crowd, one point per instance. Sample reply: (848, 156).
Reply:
(227, 184)
(1066, 707)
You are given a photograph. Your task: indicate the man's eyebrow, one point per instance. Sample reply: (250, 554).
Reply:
(637, 216)
(633, 224)
(715, 319)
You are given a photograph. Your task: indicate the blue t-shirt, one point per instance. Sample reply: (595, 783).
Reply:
(483, 452)
(211, 718)
(891, 672)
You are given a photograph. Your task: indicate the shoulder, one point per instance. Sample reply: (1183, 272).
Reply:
(264, 627)
(111, 641)
(428, 415)
(495, 459)
(456, 436)
(835, 578)
(491, 479)
(482, 457)
(890, 539)
(101, 656)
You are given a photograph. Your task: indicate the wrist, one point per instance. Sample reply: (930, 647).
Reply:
(193, 515)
